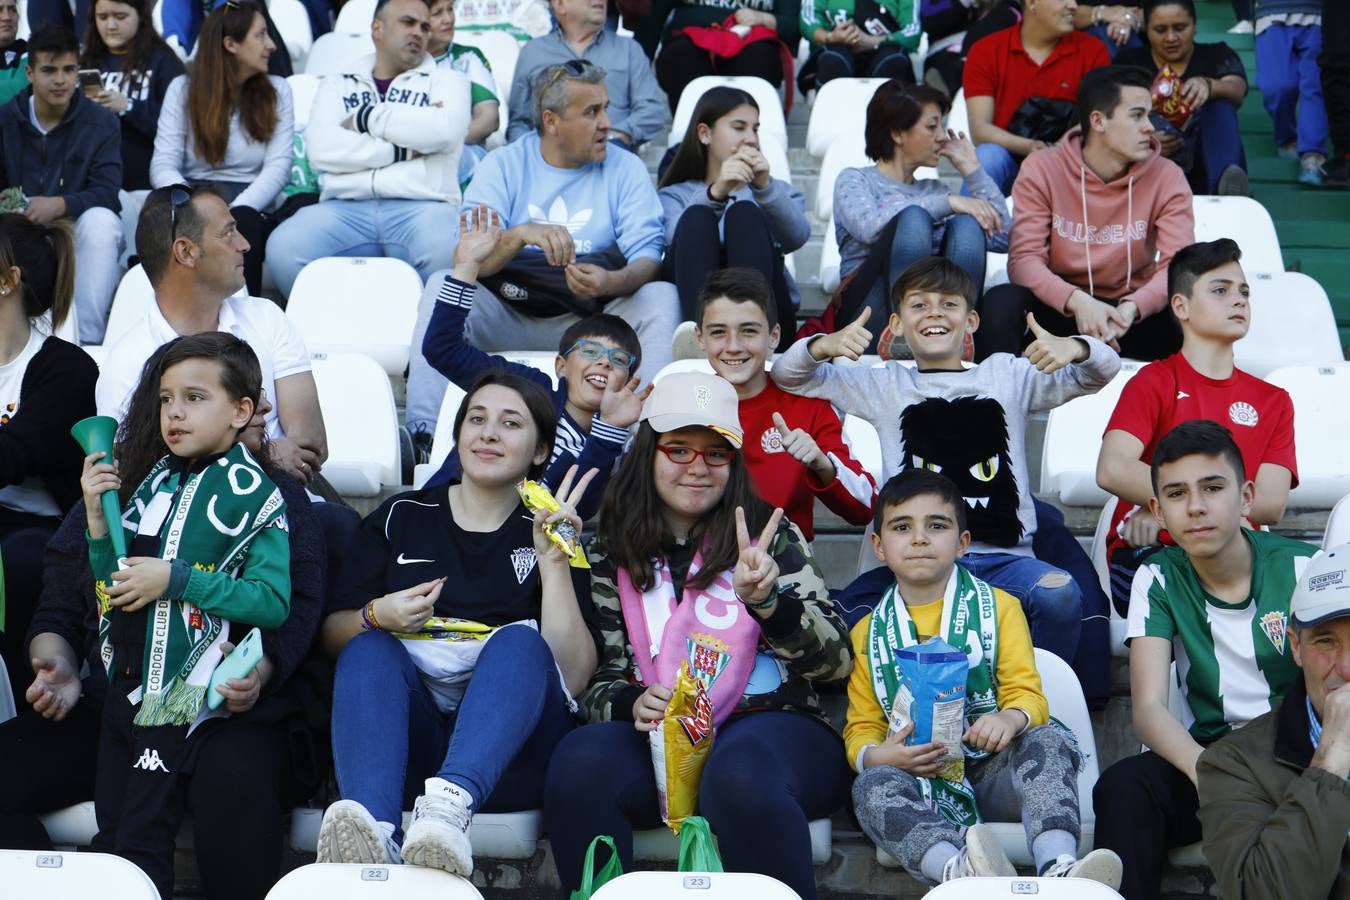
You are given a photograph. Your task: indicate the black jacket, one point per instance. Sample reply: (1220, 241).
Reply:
(146, 89)
(80, 159)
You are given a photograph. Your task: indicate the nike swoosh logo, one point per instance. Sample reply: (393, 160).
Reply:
(404, 561)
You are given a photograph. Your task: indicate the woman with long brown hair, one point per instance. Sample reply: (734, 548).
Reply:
(231, 124)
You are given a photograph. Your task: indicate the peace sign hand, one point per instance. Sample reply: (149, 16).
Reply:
(568, 495)
(1049, 353)
(851, 341)
(756, 571)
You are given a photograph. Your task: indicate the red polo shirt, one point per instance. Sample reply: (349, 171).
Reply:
(999, 67)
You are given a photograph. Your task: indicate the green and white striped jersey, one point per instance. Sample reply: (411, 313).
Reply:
(1233, 660)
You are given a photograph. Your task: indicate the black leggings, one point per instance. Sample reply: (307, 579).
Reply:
(681, 61)
(1003, 326)
(697, 250)
(21, 549)
(768, 775)
(48, 765)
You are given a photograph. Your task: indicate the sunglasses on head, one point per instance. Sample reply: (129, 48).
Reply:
(179, 195)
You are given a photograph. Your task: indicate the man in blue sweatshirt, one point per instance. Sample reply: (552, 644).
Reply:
(582, 234)
(63, 152)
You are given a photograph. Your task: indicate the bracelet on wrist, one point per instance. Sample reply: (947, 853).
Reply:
(768, 601)
(368, 620)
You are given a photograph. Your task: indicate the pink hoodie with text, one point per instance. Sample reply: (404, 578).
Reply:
(1073, 231)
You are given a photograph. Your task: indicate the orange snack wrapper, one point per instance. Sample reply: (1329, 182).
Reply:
(680, 746)
(1166, 94)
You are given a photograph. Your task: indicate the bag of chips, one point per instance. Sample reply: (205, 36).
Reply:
(1167, 99)
(680, 745)
(536, 497)
(932, 695)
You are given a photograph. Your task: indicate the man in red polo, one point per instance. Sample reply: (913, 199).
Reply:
(1044, 57)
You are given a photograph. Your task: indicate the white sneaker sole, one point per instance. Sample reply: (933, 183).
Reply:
(986, 854)
(349, 834)
(1102, 866)
(433, 847)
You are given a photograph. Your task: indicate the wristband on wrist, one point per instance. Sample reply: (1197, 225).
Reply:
(368, 620)
(763, 604)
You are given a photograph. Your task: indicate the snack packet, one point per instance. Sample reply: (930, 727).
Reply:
(536, 497)
(1167, 100)
(680, 745)
(933, 696)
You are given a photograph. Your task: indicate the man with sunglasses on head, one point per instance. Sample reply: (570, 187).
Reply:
(569, 230)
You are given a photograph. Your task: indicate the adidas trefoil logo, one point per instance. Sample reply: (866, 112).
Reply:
(557, 215)
(150, 761)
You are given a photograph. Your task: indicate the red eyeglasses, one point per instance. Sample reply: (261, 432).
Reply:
(683, 456)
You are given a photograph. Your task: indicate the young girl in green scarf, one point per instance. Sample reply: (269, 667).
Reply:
(209, 556)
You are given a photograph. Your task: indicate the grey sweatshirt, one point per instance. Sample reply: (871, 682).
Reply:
(970, 425)
(782, 203)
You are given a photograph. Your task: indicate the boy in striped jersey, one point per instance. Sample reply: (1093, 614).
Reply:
(1218, 603)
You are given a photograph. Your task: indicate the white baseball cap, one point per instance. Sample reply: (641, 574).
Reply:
(695, 398)
(1323, 591)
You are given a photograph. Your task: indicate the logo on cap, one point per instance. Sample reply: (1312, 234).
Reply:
(1274, 625)
(702, 396)
(1326, 580)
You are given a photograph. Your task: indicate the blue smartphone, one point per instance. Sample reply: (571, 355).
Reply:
(243, 659)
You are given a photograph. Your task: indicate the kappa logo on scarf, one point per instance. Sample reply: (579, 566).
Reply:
(1274, 625)
(523, 559)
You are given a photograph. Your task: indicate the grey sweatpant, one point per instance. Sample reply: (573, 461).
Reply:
(1034, 779)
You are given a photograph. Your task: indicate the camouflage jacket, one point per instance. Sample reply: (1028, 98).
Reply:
(804, 632)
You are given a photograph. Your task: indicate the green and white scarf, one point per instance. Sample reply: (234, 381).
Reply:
(970, 624)
(208, 519)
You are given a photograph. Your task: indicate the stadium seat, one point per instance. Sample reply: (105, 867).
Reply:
(73, 826)
(1072, 439)
(1292, 324)
(661, 844)
(839, 112)
(293, 24)
(8, 707)
(303, 88)
(1043, 888)
(777, 155)
(443, 438)
(1245, 221)
(357, 304)
(1097, 552)
(355, 17)
(334, 53)
(37, 875)
(501, 51)
(958, 119)
(1338, 524)
(771, 118)
(1067, 704)
(694, 886)
(829, 258)
(845, 152)
(493, 835)
(132, 301)
(1321, 423)
(335, 881)
(362, 424)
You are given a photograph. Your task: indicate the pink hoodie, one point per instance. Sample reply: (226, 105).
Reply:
(1134, 226)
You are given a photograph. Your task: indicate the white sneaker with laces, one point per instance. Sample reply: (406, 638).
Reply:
(1102, 866)
(438, 837)
(981, 857)
(350, 834)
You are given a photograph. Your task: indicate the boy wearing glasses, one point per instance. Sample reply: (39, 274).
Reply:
(597, 363)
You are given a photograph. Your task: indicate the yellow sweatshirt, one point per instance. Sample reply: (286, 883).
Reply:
(1019, 684)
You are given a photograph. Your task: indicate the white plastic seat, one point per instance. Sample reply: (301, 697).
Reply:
(694, 886)
(1065, 696)
(355, 17)
(1321, 423)
(1042, 888)
(502, 52)
(443, 439)
(8, 708)
(303, 88)
(771, 118)
(334, 53)
(958, 119)
(73, 826)
(1097, 552)
(839, 112)
(1072, 438)
(1292, 324)
(776, 153)
(292, 23)
(131, 302)
(1244, 220)
(1338, 524)
(661, 844)
(493, 835)
(334, 881)
(362, 423)
(829, 258)
(357, 304)
(35, 875)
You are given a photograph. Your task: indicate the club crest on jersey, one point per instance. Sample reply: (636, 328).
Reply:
(522, 558)
(1243, 414)
(1274, 625)
(771, 441)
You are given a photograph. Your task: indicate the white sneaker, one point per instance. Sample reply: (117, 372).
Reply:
(1102, 866)
(981, 857)
(438, 837)
(350, 834)
(1244, 26)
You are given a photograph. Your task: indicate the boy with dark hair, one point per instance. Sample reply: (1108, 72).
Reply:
(969, 424)
(596, 396)
(1217, 603)
(1017, 764)
(794, 447)
(63, 151)
(1209, 297)
(1099, 217)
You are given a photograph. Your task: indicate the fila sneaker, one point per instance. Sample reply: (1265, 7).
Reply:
(350, 834)
(438, 837)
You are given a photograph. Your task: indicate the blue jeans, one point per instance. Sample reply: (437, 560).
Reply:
(469, 158)
(1218, 145)
(422, 233)
(1291, 85)
(389, 736)
(1101, 33)
(1055, 543)
(1001, 165)
(959, 238)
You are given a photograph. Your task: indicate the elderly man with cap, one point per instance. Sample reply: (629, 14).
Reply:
(1274, 796)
